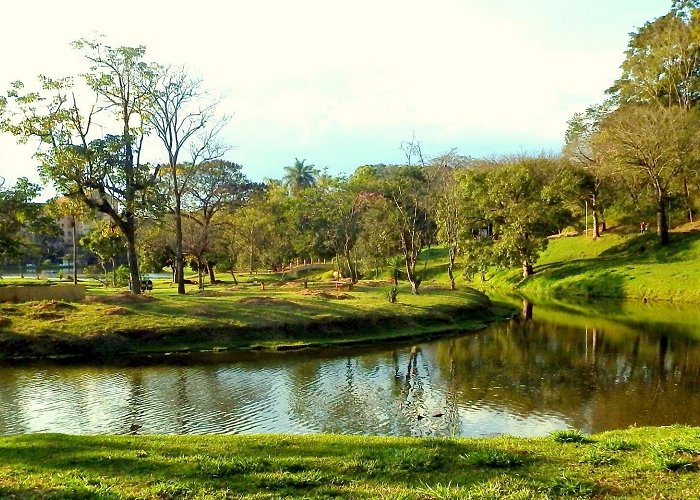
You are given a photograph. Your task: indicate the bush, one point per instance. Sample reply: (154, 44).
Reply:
(570, 436)
(123, 275)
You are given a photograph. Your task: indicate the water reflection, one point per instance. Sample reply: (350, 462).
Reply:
(553, 367)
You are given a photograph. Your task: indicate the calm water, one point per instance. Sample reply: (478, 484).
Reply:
(587, 366)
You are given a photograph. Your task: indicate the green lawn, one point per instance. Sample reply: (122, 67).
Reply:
(284, 314)
(634, 463)
(617, 265)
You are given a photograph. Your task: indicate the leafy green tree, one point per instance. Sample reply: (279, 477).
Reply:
(300, 175)
(156, 245)
(517, 202)
(251, 232)
(21, 219)
(214, 185)
(406, 189)
(106, 173)
(376, 242)
(662, 69)
(580, 147)
(105, 242)
(662, 61)
(654, 143)
(448, 213)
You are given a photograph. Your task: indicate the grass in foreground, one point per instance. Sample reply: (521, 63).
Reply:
(635, 463)
(227, 316)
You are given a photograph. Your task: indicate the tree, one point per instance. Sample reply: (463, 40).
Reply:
(183, 117)
(407, 190)
(74, 210)
(106, 173)
(581, 148)
(156, 245)
(299, 176)
(214, 185)
(662, 69)
(449, 216)
(105, 242)
(662, 61)
(250, 231)
(20, 218)
(517, 202)
(657, 143)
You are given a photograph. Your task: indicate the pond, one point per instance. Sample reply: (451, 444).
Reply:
(590, 366)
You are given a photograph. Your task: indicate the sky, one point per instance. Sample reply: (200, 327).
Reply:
(343, 84)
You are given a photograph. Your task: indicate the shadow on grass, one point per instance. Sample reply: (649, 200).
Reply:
(638, 249)
(75, 466)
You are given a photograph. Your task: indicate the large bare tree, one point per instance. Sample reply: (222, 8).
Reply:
(183, 117)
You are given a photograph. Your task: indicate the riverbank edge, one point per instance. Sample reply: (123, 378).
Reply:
(633, 463)
(312, 333)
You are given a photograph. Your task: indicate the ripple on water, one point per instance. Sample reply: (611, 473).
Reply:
(515, 378)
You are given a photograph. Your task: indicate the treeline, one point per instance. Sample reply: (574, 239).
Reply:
(634, 155)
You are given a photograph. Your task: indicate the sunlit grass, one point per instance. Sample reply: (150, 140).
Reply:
(276, 466)
(232, 316)
(614, 266)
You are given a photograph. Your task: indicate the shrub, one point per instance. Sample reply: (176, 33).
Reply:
(570, 436)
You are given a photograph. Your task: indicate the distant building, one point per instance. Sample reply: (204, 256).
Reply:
(83, 225)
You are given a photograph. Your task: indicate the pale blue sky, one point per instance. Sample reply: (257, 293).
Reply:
(342, 84)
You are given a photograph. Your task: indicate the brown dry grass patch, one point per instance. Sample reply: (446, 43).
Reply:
(5, 321)
(116, 311)
(50, 306)
(291, 284)
(203, 312)
(265, 301)
(688, 227)
(337, 295)
(120, 298)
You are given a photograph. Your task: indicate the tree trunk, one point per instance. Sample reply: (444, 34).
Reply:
(351, 269)
(688, 203)
(661, 220)
(179, 258)
(114, 273)
(200, 277)
(212, 276)
(75, 248)
(250, 256)
(596, 229)
(131, 256)
(527, 309)
(233, 276)
(527, 268)
(450, 267)
(411, 275)
(594, 208)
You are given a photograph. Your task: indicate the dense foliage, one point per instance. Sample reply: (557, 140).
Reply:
(633, 156)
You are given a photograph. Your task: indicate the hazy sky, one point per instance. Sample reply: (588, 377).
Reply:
(343, 84)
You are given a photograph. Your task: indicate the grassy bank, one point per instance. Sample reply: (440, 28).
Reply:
(280, 316)
(635, 463)
(619, 264)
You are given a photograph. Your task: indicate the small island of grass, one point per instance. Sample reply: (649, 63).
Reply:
(261, 312)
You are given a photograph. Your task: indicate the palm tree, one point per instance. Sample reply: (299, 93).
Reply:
(299, 176)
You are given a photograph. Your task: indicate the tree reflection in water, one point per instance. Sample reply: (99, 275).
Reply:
(588, 366)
